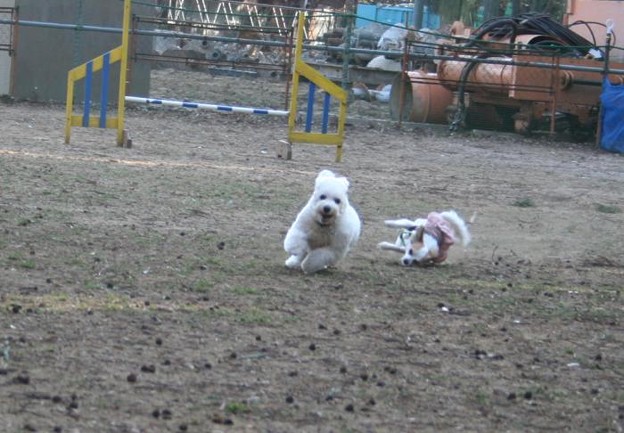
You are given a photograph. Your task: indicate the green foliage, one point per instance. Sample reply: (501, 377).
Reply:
(607, 208)
(255, 316)
(202, 286)
(236, 407)
(20, 261)
(524, 202)
(244, 290)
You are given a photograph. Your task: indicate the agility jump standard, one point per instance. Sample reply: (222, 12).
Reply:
(120, 54)
(85, 71)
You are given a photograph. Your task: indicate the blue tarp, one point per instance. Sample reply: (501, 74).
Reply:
(612, 126)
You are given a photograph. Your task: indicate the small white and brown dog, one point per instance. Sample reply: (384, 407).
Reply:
(325, 229)
(427, 240)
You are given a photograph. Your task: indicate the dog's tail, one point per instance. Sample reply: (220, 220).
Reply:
(459, 225)
(405, 223)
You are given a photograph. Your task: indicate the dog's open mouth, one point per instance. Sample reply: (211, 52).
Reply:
(325, 219)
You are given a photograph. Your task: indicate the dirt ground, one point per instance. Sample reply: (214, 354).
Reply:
(144, 289)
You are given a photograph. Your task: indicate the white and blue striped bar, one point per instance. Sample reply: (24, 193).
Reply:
(204, 106)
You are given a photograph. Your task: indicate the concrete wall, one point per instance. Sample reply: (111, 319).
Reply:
(45, 55)
(598, 11)
(5, 59)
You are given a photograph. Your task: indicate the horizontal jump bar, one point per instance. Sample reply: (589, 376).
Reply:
(204, 106)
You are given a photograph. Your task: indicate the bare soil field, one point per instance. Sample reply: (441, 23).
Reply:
(144, 289)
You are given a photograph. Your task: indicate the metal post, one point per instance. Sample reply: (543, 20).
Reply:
(78, 36)
(13, 53)
(289, 66)
(346, 56)
(555, 83)
(418, 13)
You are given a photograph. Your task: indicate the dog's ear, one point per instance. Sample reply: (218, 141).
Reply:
(325, 173)
(328, 175)
(344, 181)
(418, 235)
(323, 176)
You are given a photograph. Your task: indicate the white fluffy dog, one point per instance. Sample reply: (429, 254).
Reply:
(427, 240)
(326, 228)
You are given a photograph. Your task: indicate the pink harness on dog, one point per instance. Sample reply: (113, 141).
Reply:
(437, 227)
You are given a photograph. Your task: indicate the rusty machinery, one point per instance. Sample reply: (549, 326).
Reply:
(521, 74)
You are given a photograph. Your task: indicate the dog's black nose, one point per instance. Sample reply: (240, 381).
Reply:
(407, 261)
(326, 209)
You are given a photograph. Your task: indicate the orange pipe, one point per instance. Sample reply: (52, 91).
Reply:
(423, 98)
(484, 77)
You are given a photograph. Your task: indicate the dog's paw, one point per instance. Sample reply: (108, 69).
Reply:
(390, 247)
(318, 260)
(293, 262)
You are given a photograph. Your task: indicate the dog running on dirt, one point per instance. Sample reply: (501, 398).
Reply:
(325, 229)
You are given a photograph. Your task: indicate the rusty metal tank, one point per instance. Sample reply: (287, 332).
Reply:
(484, 77)
(422, 97)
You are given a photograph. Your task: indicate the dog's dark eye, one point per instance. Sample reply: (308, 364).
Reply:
(337, 200)
(411, 252)
(323, 197)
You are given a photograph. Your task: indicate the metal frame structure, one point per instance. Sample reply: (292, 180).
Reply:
(281, 19)
(530, 83)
